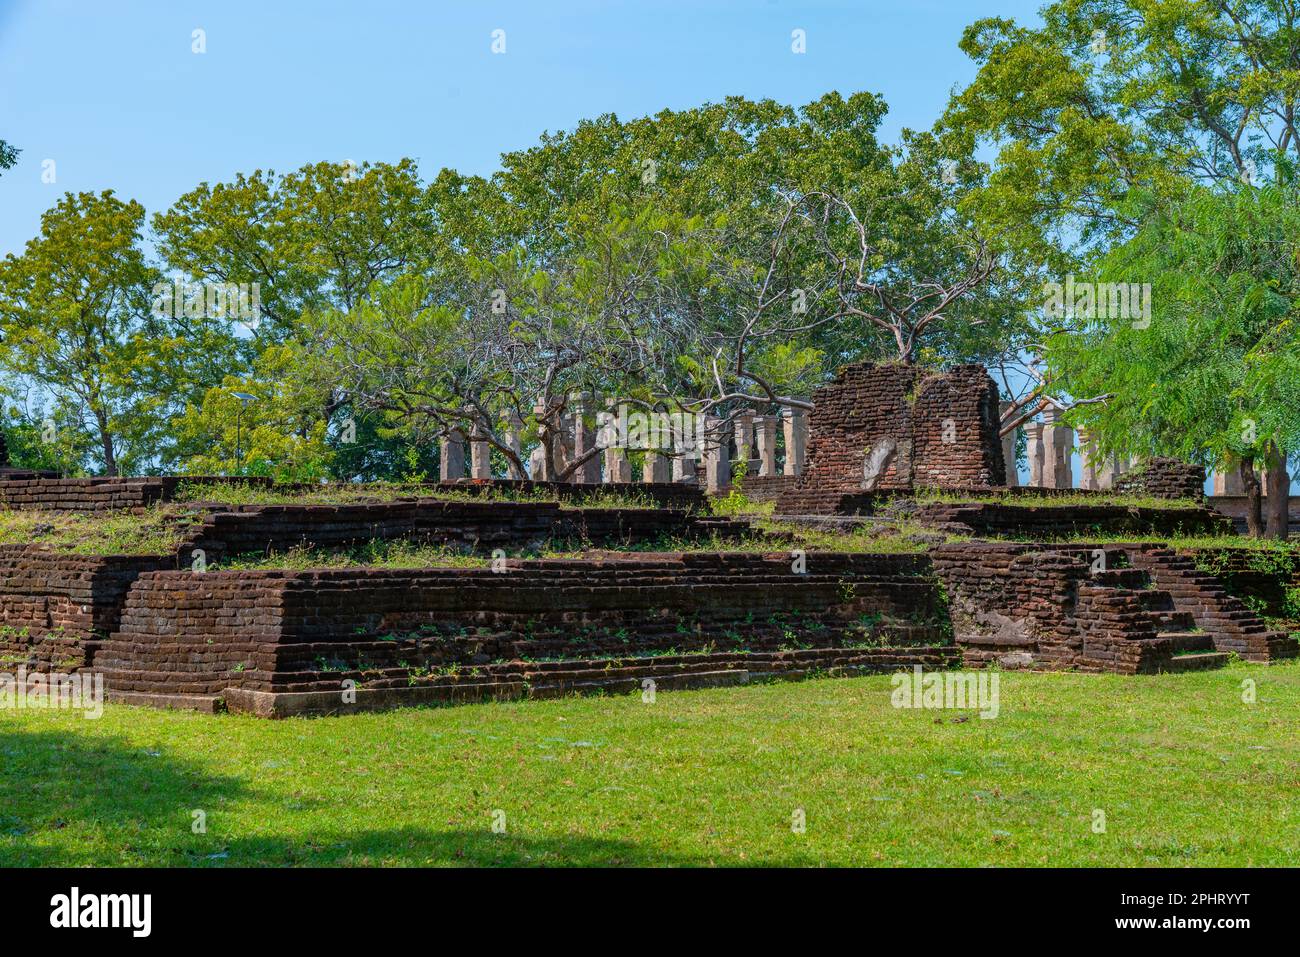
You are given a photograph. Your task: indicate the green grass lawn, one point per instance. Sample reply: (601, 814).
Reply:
(1186, 773)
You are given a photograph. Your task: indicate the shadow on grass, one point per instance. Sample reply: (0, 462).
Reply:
(68, 800)
(457, 848)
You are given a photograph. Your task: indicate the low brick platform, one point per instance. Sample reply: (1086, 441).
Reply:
(766, 488)
(271, 631)
(1027, 520)
(1164, 478)
(472, 526)
(677, 495)
(1045, 522)
(56, 607)
(49, 492)
(39, 491)
(592, 676)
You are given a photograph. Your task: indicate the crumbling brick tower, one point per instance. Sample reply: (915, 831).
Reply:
(883, 427)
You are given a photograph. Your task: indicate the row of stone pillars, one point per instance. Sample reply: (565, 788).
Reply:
(1050, 450)
(754, 438)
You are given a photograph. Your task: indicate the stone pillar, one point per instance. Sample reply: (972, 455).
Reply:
(617, 467)
(686, 448)
(1227, 478)
(746, 450)
(656, 468)
(717, 456)
(1009, 448)
(584, 440)
(540, 469)
(765, 432)
(514, 427)
(1106, 473)
(1108, 470)
(1058, 446)
(480, 457)
(684, 469)
(1122, 465)
(1035, 450)
(796, 439)
(452, 466)
(1089, 463)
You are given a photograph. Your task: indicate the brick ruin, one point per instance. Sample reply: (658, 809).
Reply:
(263, 640)
(897, 427)
(1164, 478)
(1128, 609)
(1044, 521)
(165, 630)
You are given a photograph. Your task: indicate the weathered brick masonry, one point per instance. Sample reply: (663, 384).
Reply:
(481, 526)
(897, 427)
(56, 607)
(767, 488)
(1045, 522)
(102, 493)
(33, 490)
(1266, 580)
(183, 633)
(1164, 478)
(1234, 627)
(1126, 609)
(662, 494)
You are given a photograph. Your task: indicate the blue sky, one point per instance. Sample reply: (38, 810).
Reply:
(111, 91)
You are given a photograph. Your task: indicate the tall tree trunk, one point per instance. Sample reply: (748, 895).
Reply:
(1250, 484)
(106, 443)
(1278, 490)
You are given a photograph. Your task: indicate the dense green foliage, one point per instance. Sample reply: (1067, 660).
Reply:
(1212, 373)
(724, 256)
(709, 259)
(1134, 141)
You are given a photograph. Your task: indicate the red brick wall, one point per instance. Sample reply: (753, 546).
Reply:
(1164, 478)
(188, 633)
(54, 607)
(944, 426)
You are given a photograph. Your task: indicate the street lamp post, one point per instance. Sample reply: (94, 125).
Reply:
(244, 398)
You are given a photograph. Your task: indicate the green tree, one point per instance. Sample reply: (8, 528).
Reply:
(1108, 96)
(314, 239)
(8, 155)
(1106, 101)
(1209, 375)
(748, 165)
(518, 340)
(76, 321)
(266, 423)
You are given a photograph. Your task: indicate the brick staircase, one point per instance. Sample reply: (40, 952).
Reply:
(1143, 610)
(1134, 626)
(1232, 627)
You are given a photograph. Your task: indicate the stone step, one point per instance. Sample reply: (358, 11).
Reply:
(1188, 640)
(1121, 578)
(1196, 661)
(1173, 620)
